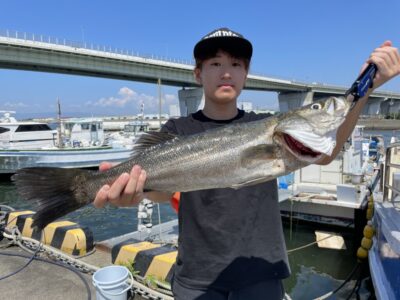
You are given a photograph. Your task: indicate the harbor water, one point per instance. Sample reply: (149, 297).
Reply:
(315, 271)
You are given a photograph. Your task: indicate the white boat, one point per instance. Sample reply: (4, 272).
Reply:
(129, 135)
(16, 135)
(77, 143)
(384, 256)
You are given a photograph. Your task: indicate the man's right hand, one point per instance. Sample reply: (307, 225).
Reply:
(127, 190)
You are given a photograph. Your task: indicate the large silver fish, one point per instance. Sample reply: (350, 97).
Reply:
(232, 156)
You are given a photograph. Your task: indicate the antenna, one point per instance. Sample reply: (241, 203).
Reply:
(142, 111)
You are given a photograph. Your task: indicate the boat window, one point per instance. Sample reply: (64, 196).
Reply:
(3, 129)
(32, 127)
(129, 128)
(93, 128)
(85, 126)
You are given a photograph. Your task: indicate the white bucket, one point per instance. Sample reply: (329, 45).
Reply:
(110, 283)
(356, 178)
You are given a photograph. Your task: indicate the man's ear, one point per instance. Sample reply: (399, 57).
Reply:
(196, 74)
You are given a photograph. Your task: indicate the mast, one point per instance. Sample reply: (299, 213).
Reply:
(59, 131)
(142, 112)
(159, 100)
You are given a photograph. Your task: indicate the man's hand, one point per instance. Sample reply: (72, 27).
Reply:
(127, 190)
(387, 59)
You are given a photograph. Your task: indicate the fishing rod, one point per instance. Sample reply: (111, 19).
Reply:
(362, 84)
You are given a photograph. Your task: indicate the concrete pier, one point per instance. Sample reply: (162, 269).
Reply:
(40, 280)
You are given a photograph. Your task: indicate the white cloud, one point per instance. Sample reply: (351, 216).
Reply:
(14, 105)
(126, 92)
(124, 100)
(170, 98)
(129, 98)
(125, 96)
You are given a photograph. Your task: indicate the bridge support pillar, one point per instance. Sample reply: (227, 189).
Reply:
(291, 100)
(373, 106)
(390, 106)
(394, 107)
(190, 100)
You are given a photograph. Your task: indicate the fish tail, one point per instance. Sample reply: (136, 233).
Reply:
(57, 191)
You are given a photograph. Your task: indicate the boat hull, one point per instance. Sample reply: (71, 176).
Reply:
(384, 256)
(11, 161)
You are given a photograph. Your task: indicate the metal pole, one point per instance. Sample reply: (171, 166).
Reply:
(159, 100)
(59, 131)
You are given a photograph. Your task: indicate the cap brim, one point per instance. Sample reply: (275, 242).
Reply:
(239, 47)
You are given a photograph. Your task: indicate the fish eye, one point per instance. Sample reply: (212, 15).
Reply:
(316, 106)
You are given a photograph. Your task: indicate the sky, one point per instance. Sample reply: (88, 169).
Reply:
(311, 41)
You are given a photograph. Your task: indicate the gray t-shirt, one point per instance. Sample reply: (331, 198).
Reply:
(228, 238)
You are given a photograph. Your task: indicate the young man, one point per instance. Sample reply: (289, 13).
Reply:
(231, 244)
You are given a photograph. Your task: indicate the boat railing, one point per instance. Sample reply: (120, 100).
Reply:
(391, 180)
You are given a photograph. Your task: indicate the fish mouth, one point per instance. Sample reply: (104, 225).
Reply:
(299, 149)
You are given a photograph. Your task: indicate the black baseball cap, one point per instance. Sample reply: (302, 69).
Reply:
(223, 39)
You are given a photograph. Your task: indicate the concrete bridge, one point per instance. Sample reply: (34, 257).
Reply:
(20, 51)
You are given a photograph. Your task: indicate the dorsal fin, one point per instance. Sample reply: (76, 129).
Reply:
(149, 139)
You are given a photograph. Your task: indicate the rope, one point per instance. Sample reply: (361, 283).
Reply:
(159, 221)
(310, 244)
(4, 213)
(6, 207)
(50, 250)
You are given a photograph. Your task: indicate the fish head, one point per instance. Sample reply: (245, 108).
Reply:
(309, 132)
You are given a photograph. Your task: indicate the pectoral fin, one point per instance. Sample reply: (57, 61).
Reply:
(255, 155)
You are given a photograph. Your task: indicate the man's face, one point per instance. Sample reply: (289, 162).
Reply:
(222, 77)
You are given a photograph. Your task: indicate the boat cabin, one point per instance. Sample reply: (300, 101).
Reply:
(136, 127)
(82, 132)
(20, 135)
